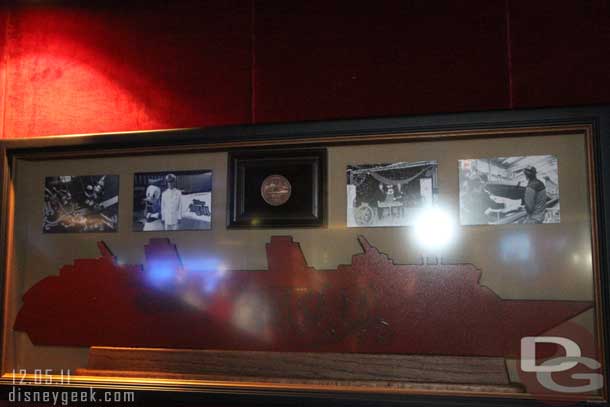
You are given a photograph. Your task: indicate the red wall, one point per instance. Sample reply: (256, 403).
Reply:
(111, 66)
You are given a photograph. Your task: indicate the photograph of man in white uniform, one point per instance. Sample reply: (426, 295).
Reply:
(170, 204)
(172, 200)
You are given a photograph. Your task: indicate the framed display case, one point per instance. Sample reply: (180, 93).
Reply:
(450, 259)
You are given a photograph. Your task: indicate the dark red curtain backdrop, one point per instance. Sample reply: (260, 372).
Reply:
(98, 66)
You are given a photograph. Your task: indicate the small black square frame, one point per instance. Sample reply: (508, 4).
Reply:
(305, 171)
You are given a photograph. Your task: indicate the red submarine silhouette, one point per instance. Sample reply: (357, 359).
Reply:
(369, 306)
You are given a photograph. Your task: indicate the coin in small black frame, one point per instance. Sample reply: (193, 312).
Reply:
(276, 190)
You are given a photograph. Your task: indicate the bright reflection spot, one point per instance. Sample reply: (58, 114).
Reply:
(576, 258)
(199, 277)
(515, 248)
(194, 300)
(251, 314)
(210, 272)
(434, 228)
(161, 274)
(582, 259)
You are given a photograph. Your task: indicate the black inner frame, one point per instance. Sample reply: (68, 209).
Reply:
(114, 144)
(305, 169)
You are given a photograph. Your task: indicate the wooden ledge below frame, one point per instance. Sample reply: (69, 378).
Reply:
(441, 373)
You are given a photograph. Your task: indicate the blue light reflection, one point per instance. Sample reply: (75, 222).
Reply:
(205, 273)
(515, 247)
(161, 274)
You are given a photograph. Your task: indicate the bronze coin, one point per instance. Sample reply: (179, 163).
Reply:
(276, 190)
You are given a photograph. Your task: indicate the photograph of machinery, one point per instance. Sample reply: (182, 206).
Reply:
(506, 190)
(74, 204)
(389, 194)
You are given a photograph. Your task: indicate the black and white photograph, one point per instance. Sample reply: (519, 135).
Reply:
(77, 204)
(172, 200)
(507, 190)
(389, 194)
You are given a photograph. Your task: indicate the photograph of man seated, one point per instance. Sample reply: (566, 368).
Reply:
(509, 190)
